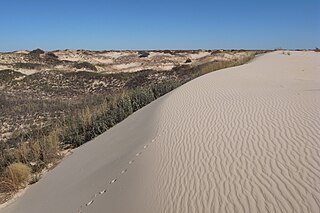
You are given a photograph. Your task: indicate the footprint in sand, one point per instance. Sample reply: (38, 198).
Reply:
(114, 180)
(103, 191)
(90, 202)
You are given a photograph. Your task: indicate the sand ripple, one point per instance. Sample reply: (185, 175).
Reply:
(243, 140)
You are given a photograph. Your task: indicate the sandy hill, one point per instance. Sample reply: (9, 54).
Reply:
(29, 62)
(243, 139)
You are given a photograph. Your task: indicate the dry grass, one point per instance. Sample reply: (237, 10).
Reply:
(17, 175)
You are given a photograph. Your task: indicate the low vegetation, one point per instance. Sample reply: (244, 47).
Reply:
(18, 174)
(73, 118)
(85, 65)
(27, 66)
(188, 60)
(36, 52)
(14, 177)
(143, 54)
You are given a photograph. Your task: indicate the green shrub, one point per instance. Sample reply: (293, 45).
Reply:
(9, 75)
(139, 79)
(143, 54)
(36, 52)
(51, 55)
(188, 60)
(30, 66)
(85, 65)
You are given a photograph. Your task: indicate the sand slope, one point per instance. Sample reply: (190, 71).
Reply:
(243, 139)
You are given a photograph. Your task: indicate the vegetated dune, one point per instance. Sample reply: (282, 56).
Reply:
(243, 139)
(37, 61)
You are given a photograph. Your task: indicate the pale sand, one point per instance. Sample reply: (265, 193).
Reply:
(243, 139)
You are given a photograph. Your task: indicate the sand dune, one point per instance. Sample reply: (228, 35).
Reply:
(243, 139)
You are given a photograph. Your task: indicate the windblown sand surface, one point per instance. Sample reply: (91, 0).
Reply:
(243, 139)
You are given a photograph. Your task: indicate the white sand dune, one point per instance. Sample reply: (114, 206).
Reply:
(243, 139)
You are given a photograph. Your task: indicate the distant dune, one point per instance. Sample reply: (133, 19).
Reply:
(30, 62)
(243, 139)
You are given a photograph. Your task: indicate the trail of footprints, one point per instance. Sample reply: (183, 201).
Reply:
(82, 207)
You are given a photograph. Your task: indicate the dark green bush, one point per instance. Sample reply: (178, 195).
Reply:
(9, 75)
(36, 52)
(143, 54)
(30, 66)
(85, 65)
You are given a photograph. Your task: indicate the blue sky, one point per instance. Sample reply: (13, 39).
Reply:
(162, 24)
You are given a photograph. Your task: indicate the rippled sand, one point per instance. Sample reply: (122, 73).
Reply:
(243, 139)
